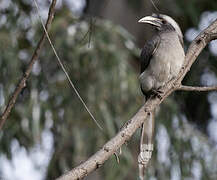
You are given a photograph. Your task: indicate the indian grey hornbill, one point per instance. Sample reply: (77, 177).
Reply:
(161, 60)
(162, 56)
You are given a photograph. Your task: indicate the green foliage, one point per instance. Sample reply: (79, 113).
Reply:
(100, 70)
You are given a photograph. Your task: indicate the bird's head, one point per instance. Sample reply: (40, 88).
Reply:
(162, 23)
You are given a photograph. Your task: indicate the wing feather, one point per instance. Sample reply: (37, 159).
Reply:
(148, 51)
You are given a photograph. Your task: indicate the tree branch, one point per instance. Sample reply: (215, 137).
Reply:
(22, 82)
(192, 88)
(96, 160)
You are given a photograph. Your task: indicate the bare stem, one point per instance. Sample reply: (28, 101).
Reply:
(192, 88)
(22, 82)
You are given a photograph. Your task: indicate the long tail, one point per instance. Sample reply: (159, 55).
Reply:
(146, 144)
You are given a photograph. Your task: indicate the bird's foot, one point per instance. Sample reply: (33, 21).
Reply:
(157, 93)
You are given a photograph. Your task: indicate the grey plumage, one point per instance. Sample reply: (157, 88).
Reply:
(162, 56)
(161, 60)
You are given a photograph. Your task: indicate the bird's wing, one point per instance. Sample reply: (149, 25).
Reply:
(148, 51)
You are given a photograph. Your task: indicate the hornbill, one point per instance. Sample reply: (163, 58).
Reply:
(161, 60)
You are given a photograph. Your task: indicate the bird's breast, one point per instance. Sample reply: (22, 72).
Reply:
(170, 54)
(165, 64)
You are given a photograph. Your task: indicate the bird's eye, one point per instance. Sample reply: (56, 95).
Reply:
(164, 21)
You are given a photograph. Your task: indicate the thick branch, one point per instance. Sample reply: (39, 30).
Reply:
(108, 149)
(130, 127)
(192, 88)
(22, 82)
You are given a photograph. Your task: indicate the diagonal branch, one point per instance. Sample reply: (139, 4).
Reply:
(22, 82)
(193, 88)
(96, 160)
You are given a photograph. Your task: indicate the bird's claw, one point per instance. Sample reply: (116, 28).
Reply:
(157, 93)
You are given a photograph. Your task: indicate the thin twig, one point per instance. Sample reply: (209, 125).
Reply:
(22, 82)
(154, 5)
(192, 88)
(90, 33)
(117, 157)
(64, 70)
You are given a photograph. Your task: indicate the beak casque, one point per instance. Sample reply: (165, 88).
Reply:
(151, 20)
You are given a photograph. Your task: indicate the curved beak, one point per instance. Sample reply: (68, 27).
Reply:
(151, 20)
